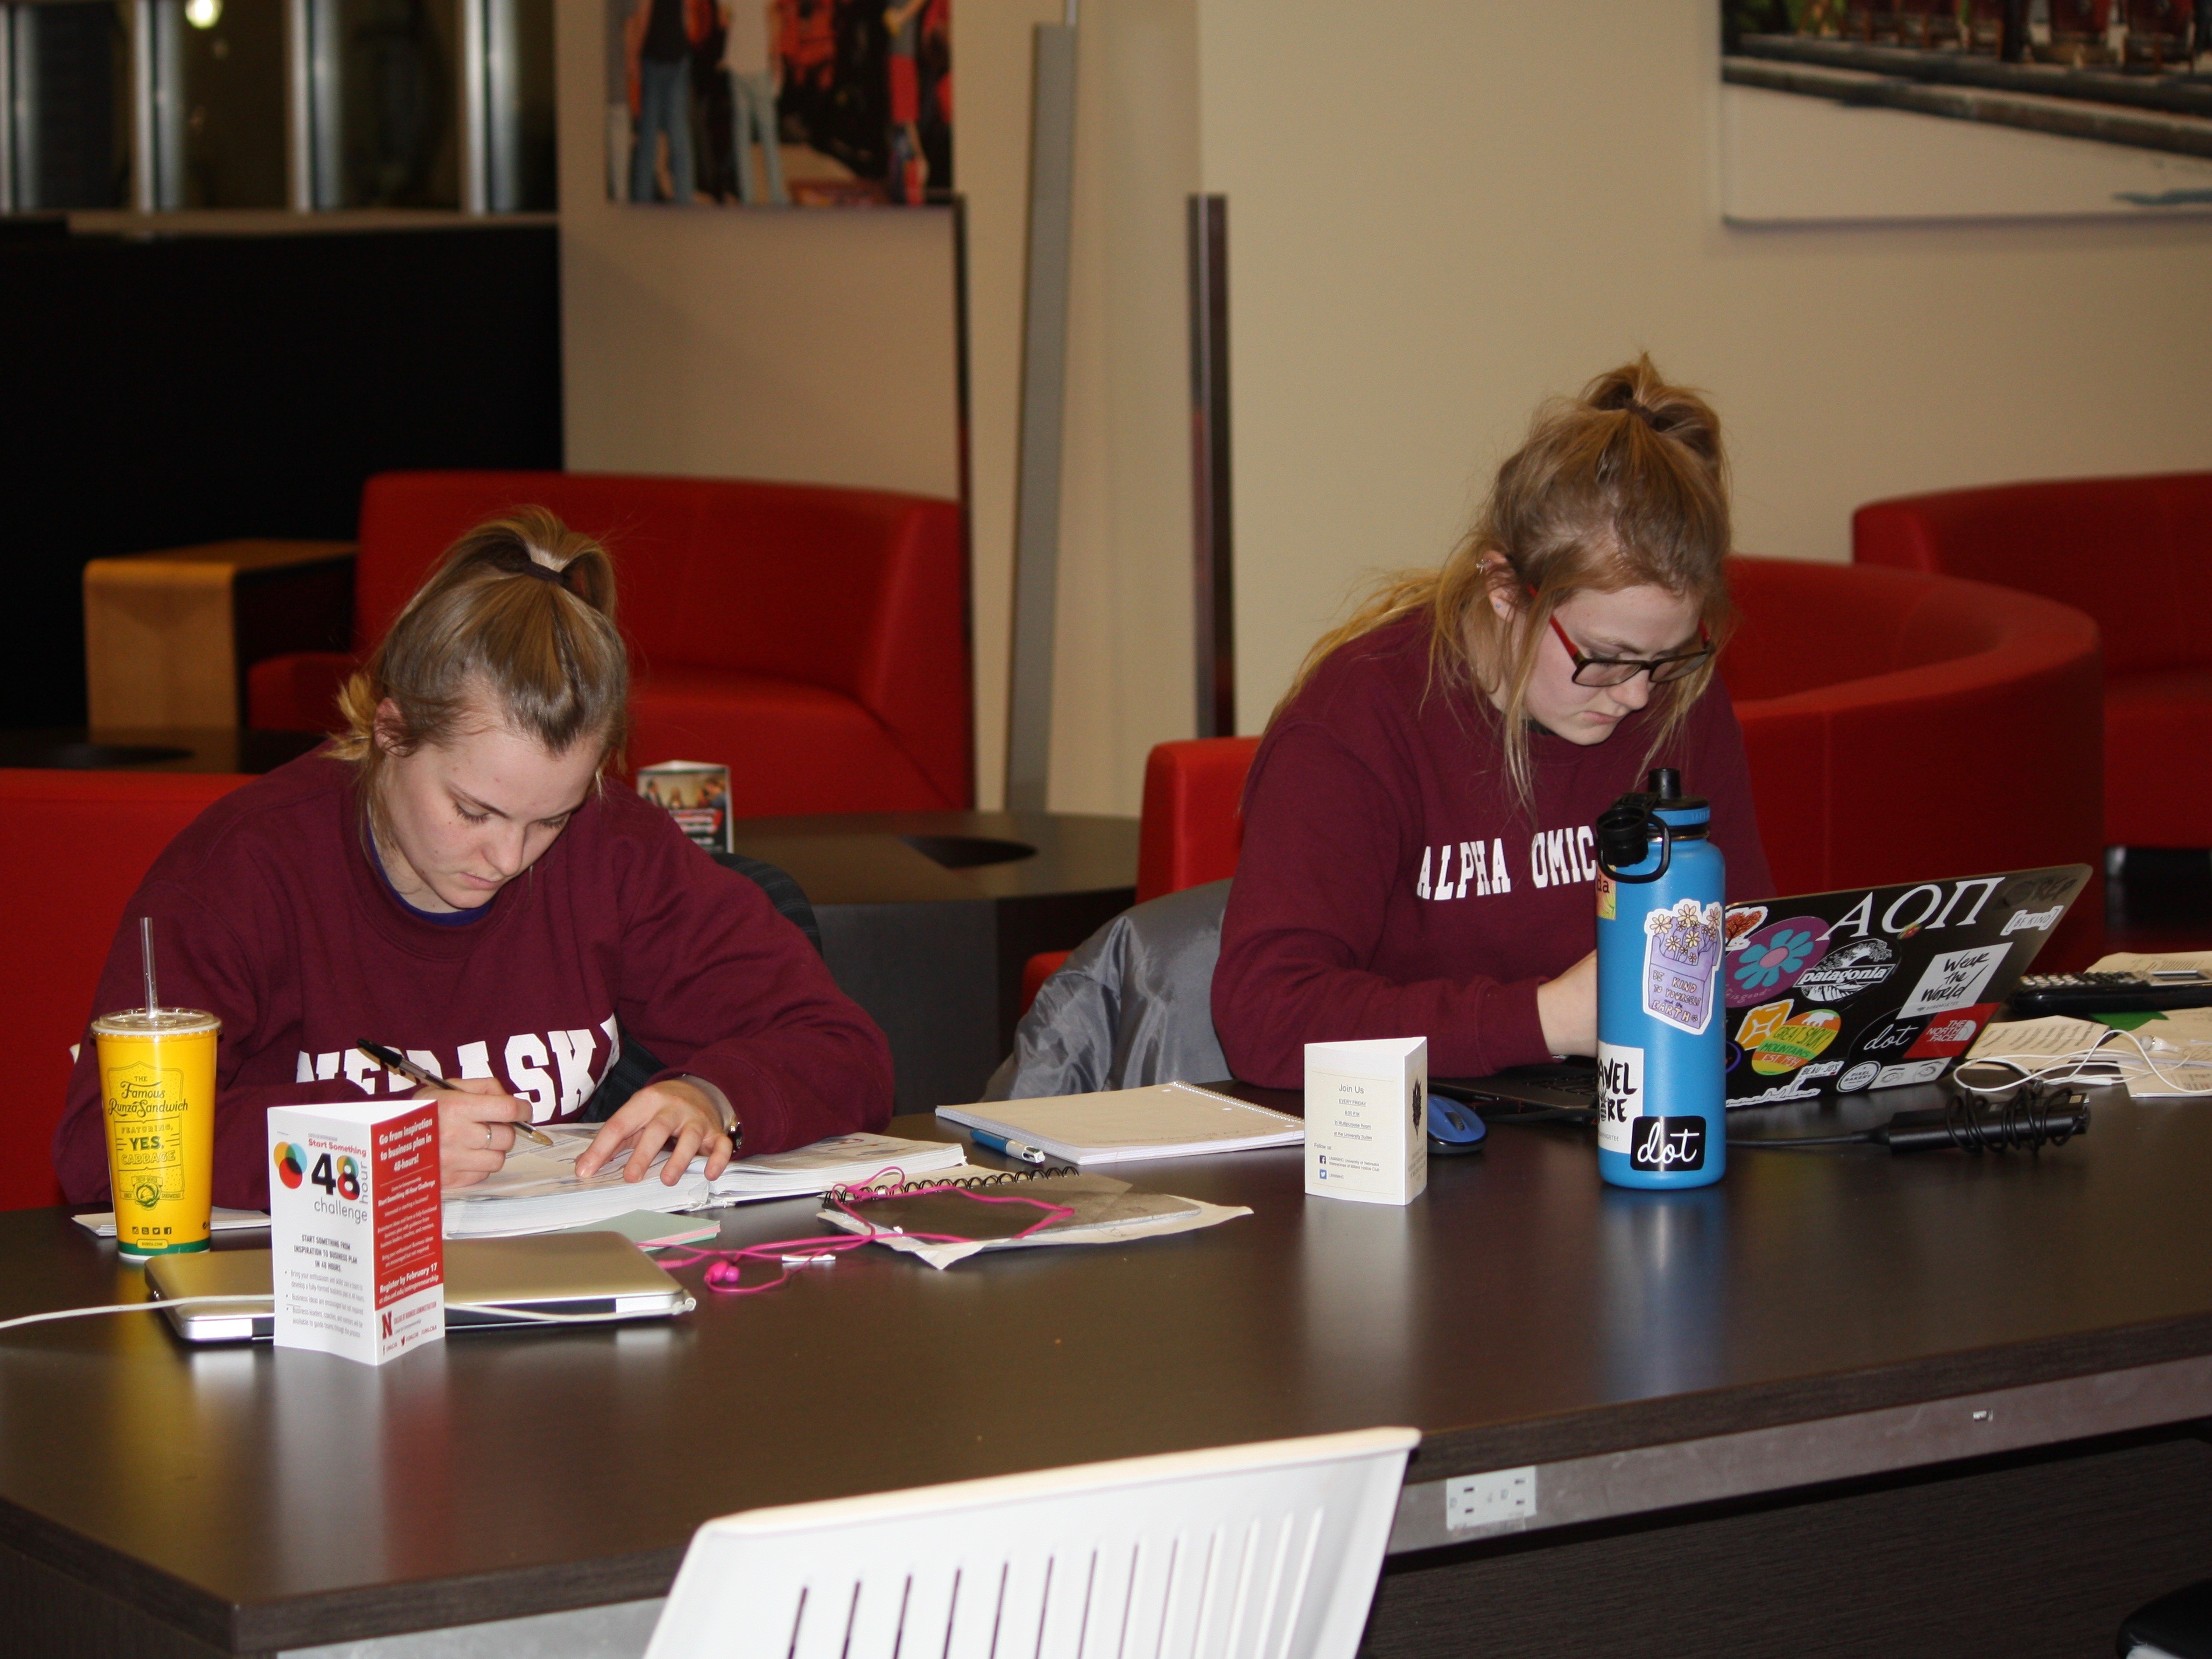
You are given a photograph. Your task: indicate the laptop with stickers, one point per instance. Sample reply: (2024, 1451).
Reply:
(1838, 993)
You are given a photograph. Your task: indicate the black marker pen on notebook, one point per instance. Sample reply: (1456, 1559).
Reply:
(392, 1059)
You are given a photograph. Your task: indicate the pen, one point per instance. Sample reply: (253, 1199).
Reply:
(1027, 1154)
(392, 1059)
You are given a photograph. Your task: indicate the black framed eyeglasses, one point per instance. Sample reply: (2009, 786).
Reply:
(1619, 671)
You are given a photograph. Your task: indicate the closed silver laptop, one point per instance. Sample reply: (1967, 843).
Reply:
(547, 1278)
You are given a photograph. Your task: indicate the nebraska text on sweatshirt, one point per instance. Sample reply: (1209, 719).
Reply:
(270, 913)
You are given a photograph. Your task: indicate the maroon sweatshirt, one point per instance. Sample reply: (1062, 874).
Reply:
(268, 911)
(1392, 885)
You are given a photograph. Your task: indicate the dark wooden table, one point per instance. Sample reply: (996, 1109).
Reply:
(155, 747)
(1843, 1402)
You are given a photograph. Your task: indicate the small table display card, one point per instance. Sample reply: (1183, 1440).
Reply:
(1367, 1120)
(358, 1259)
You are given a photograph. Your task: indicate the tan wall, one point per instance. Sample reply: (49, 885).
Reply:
(1440, 212)
(809, 346)
(820, 345)
(1124, 667)
(1445, 209)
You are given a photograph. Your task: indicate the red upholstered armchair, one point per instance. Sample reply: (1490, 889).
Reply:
(1902, 727)
(813, 638)
(1191, 830)
(1192, 825)
(77, 844)
(2137, 555)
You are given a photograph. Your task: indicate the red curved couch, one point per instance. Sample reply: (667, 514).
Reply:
(812, 638)
(2135, 554)
(1902, 726)
(77, 844)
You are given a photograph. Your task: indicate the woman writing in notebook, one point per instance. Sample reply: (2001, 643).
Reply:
(451, 876)
(1418, 856)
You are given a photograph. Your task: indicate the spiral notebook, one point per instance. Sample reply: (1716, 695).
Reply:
(947, 1221)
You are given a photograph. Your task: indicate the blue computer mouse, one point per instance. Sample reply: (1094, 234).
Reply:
(1454, 1126)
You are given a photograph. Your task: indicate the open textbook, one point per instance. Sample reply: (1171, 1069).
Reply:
(537, 1189)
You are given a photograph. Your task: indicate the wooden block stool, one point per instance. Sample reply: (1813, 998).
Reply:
(168, 636)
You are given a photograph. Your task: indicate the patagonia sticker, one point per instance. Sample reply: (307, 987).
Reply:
(1861, 965)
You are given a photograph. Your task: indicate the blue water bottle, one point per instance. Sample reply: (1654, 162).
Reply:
(1661, 1099)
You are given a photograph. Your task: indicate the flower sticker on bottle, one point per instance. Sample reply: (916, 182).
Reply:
(1772, 957)
(1681, 961)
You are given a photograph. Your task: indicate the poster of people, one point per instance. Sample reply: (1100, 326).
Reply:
(1900, 109)
(808, 103)
(696, 795)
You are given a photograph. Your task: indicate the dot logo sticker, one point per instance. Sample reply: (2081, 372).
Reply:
(291, 1164)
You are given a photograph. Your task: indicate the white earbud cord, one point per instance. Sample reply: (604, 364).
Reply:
(2066, 1067)
(126, 1307)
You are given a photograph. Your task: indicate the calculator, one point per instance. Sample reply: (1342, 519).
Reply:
(2129, 992)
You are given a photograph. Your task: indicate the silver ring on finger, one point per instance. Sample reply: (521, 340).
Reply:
(487, 1128)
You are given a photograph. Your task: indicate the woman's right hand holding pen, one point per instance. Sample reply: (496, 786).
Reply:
(475, 1128)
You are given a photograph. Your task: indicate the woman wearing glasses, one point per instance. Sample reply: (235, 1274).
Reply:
(1418, 858)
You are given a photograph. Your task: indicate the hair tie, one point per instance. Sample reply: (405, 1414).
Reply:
(544, 573)
(1643, 415)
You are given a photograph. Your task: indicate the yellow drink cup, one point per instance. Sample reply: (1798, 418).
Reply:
(157, 1087)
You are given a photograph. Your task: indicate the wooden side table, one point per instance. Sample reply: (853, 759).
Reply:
(169, 636)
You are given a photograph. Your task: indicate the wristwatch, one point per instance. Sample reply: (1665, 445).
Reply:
(726, 1115)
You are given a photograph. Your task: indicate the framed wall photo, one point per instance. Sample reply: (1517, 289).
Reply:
(1917, 109)
(806, 103)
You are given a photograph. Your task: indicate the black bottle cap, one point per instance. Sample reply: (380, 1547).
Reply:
(1666, 792)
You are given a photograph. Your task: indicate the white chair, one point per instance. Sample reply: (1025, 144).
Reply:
(1261, 1552)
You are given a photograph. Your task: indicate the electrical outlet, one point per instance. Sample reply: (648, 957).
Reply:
(1496, 1500)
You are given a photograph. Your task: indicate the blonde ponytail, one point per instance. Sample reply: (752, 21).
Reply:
(1626, 486)
(518, 624)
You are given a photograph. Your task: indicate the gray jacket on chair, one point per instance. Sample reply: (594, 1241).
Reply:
(1133, 1004)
